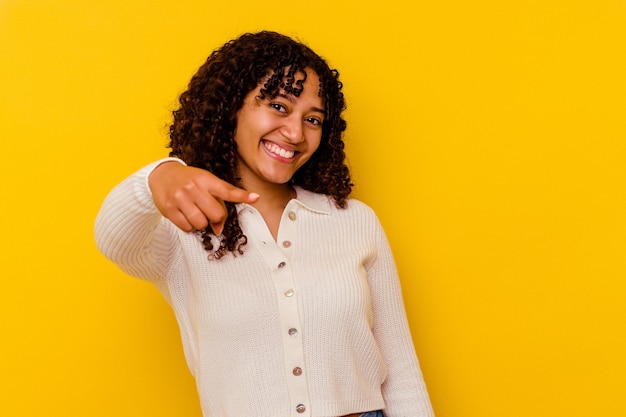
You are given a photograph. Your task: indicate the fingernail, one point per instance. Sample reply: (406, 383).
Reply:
(254, 196)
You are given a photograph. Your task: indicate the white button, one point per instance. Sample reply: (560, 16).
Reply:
(286, 244)
(300, 408)
(289, 293)
(291, 215)
(293, 332)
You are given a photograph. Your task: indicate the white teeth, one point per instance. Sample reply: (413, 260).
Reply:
(275, 149)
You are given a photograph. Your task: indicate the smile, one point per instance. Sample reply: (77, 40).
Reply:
(277, 150)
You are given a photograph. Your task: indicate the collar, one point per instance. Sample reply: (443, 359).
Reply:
(318, 203)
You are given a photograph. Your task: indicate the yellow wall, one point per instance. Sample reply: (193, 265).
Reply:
(488, 135)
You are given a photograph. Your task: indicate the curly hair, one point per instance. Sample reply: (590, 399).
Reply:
(202, 132)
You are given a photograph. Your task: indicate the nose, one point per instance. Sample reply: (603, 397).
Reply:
(292, 129)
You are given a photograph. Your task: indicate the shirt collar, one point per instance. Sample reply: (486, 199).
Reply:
(319, 203)
(309, 200)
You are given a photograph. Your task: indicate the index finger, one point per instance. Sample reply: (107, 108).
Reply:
(228, 192)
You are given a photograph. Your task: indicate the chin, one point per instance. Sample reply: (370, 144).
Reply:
(280, 181)
(279, 178)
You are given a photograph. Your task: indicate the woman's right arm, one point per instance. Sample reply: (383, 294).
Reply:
(135, 226)
(130, 231)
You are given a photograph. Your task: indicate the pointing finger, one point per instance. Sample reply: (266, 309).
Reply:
(228, 192)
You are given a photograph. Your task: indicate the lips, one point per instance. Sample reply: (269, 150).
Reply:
(278, 151)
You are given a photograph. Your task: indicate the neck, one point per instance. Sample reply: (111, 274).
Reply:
(272, 202)
(274, 197)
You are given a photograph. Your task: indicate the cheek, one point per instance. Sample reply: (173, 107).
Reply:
(314, 142)
(251, 123)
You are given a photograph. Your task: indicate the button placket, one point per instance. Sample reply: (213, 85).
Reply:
(292, 330)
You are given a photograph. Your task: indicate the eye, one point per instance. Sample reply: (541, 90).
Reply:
(278, 107)
(314, 121)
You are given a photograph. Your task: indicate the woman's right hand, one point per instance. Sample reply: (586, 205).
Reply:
(192, 198)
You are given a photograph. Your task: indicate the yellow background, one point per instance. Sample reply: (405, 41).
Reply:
(488, 135)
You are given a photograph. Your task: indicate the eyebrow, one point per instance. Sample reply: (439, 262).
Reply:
(293, 101)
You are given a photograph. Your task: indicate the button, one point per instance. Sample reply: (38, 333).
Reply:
(286, 244)
(289, 293)
(282, 265)
(292, 216)
(297, 371)
(300, 408)
(293, 332)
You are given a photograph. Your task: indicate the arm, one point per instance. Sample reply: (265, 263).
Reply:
(136, 226)
(404, 389)
(127, 224)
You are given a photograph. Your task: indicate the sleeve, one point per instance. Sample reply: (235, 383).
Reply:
(404, 389)
(131, 232)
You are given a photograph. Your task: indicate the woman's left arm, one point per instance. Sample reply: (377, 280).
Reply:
(404, 389)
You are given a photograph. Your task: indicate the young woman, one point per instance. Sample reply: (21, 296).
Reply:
(285, 290)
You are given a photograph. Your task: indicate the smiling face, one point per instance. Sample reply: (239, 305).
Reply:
(276, 136)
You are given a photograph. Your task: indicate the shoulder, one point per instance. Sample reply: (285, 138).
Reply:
(360, 212)
(354, 204)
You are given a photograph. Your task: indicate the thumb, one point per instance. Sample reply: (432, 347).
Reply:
(218, 228)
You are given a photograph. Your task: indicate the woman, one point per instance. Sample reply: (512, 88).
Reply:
(285, 290)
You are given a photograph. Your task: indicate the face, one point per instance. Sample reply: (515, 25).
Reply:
(275, 137)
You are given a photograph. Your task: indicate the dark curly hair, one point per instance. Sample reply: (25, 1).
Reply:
(202, 133)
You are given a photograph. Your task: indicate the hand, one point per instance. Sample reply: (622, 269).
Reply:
(192, 198)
